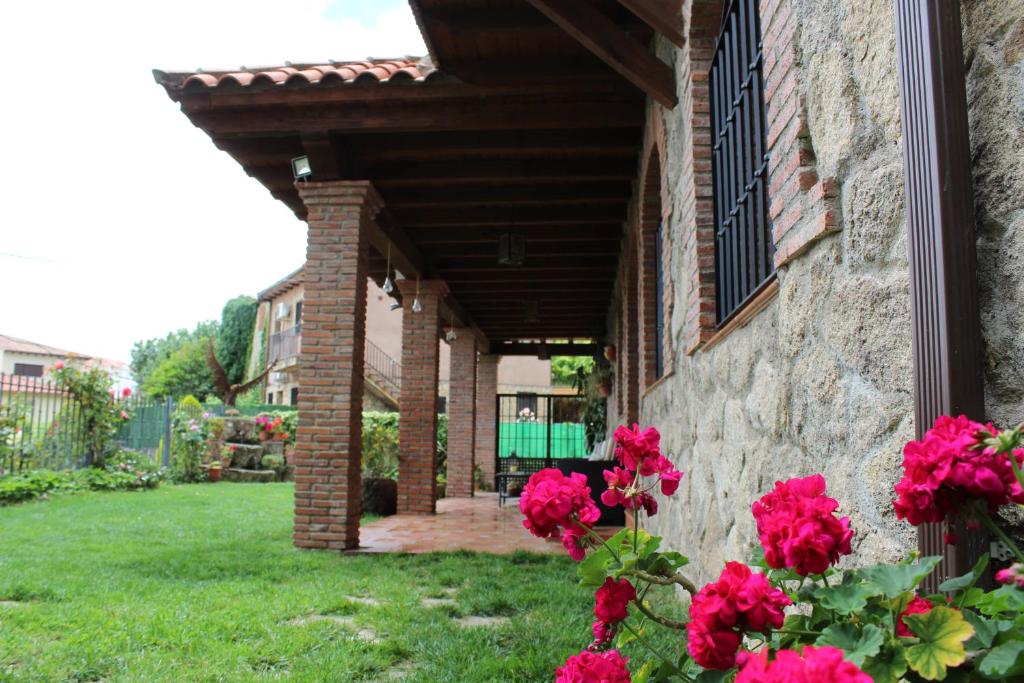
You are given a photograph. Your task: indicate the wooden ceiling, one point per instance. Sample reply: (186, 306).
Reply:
(522, 128)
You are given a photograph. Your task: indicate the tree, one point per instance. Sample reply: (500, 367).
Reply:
(564, 368)
(148, 354)
(234, 338)
(183, 372)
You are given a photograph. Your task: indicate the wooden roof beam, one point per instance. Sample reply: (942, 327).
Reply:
(612, 45)
(664, 16)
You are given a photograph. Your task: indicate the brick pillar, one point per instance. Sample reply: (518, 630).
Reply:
(462, 415)
(417, 422)
(486, 414)
(328, 494)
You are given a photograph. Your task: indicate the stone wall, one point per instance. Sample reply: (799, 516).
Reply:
(820, 379)
(994, 50)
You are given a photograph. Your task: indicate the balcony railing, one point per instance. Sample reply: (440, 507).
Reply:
(286, 343)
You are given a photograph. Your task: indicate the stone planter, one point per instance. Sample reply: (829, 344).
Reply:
(239, 430)
(380, 496)
(247, 456)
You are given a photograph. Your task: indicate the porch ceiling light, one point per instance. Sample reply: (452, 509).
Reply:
(301, 168)
(511, 249)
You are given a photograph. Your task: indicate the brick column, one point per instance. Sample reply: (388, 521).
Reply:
(462, 415)
(486, 414)
(328, 494)
(417, 422)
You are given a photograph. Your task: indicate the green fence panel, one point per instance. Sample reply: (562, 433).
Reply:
(530, 440)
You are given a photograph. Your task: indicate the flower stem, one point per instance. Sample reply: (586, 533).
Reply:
(998, 533)
(678, 579)
(799, 633)
(597, 537)
(657, 618)
(647, 646)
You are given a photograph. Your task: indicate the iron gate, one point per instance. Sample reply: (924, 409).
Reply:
(536, 430)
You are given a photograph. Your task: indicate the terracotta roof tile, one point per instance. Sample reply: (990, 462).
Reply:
(405, 70)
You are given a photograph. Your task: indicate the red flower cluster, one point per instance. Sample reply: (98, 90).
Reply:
(722, 611)
(639, 451)
(611, 601)
(816, 665)
(551, 501)
(594, 667)
(126, 392)
(798, 528)
(916, 606)
(948, 468)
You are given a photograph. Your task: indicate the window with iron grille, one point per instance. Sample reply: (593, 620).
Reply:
(28, 370)
(744, 253)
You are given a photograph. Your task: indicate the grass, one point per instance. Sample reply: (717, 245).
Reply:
(199, 583)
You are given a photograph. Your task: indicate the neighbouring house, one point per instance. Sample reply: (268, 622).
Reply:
(795, 224)
(278, 335)
(21, 360)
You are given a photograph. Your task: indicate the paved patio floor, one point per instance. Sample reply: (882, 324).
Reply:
(476, 524)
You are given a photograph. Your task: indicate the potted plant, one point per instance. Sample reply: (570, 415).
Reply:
(214, 471)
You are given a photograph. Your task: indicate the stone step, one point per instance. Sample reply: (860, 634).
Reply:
(259, 476)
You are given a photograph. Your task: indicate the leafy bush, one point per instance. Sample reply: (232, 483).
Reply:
(100, 412)
(188, 447)
(148, 354)
(124, 471)
(380, 445)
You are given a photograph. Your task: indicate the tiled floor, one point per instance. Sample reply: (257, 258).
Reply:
(460, 524)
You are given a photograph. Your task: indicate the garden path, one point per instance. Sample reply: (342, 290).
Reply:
(476, 524)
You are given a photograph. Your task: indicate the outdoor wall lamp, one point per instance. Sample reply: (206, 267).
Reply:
(388, 286)
(301, 168)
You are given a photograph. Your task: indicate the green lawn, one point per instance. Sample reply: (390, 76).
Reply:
(201, 583)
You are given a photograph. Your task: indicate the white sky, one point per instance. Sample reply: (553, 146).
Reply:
(119, 220)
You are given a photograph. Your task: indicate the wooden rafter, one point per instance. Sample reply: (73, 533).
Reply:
(664, 16)
(613, 46)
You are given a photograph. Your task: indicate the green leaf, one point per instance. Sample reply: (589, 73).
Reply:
(711, 676)
(627, 636)
(593, 570)
(968, 579)
(894, 580)
(644, 673)
(888, 667)
(985, 631)
(942, 633)
(844, 599)
(1004, 660)
(1003, 599)
(858, 645)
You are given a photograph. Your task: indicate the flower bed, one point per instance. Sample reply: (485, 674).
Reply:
(789, 615)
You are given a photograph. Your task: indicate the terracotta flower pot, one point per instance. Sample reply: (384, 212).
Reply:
(604, 388)
(214, 474)
(264, 436)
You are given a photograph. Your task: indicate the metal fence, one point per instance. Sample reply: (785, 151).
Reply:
(286, 343)
(382, 367)
(42, 426)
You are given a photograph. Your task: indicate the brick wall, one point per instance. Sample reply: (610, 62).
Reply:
(486, 397)
(417, 424)
(462, 415)
(328, 496)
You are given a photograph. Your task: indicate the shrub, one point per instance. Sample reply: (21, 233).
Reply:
(790, 615)
(125, 470)
(188, 447)
(100, 411)
(380, 445)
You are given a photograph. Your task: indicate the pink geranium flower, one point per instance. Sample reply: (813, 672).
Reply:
(611, 601)
(948, 468)
(594, 667)
(59, 365)
(1012, 575)
(634, 448)
(813, 665)
(798, 528)
(740, 601)
(551, 502)
(126, 392)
